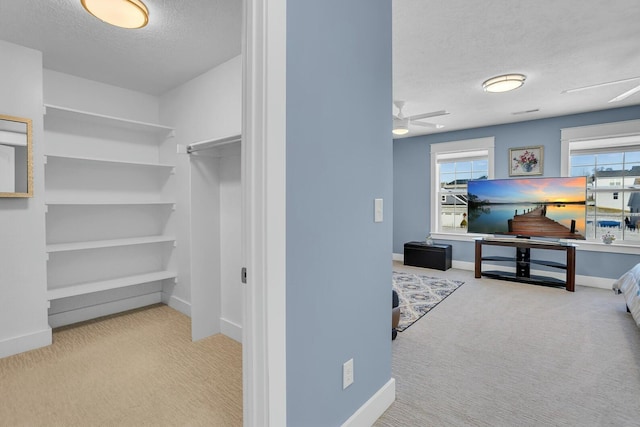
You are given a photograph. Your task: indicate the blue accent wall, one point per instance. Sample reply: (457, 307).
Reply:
(412, 179)
(339, 159)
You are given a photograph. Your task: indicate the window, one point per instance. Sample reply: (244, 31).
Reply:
(453, 164)
(611, 163)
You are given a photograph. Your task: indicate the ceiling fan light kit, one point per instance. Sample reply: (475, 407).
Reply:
(400, 126)
(121, 13)
(504, 83)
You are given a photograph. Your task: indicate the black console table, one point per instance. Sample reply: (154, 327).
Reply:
(420, 254)
(523, 262)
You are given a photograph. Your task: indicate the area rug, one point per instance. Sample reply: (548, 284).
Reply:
(418, 294)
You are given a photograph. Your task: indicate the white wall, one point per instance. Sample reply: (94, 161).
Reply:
(204, 259)
(207, 107)
(23, 306)
(231, 254)
(69, 91)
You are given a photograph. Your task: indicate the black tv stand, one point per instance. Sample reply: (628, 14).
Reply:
(523, 261)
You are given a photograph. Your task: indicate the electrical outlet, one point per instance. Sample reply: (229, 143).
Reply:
(347, 373)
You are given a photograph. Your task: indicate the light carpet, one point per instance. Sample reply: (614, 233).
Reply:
(139, 368)
(418, 294)
(498, 353)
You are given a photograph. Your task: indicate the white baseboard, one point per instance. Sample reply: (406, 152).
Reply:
(15, 345)
(373, 408)
(397, 257)
(595, 282)
(230, 329)
(94, 311)
(463, 265)
(180, 305)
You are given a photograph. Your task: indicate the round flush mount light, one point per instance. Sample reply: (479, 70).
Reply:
(121, 13)
(504, 83)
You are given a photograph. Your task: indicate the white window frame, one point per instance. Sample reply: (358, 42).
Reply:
(455, 150)
(618, 135)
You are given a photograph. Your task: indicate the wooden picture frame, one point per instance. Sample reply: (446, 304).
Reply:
(524, 161)
(16, 156)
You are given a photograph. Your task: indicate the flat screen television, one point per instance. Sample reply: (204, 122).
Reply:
(552, 208)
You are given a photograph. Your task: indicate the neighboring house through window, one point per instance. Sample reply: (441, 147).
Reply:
(453, 164)
(609, 156)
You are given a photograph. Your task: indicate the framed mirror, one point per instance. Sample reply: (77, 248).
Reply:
(16, 157)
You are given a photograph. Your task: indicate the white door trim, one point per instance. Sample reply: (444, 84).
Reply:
(264, 209)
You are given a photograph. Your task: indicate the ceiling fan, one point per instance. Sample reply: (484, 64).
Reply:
(401, 122)
(617, 98)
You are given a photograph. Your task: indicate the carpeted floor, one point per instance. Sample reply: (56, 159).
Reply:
(134, 369)
(498, 353)
(418, 294)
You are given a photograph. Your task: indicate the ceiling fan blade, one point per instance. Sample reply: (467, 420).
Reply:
(427, 115)
(578, 89)
(626, 94)
(427, 125)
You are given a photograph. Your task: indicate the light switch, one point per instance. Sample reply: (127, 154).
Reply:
(377, 210)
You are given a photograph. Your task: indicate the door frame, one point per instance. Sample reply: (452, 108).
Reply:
(264, 212)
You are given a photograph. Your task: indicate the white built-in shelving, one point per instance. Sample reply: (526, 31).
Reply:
(105, 285)
(55, 202)
(97, 244)
(103, 160)
(109, 202)
(56, 111)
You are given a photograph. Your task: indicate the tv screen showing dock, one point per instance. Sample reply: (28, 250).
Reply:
(528, 207)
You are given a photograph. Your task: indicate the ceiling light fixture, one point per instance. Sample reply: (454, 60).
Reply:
(121, 13)
(504, 83)
(400, 126)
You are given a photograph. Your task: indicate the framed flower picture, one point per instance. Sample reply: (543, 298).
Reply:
(526, 161)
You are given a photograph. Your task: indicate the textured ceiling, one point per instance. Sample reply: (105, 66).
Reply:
(183, 40)
(443, 51)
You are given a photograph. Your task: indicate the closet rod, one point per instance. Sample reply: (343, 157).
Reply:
(212, 143)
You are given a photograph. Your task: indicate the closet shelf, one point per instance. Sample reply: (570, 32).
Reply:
(79, 115)
(103, 160)
(107, 202)
(98, 244)
(104, 285)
